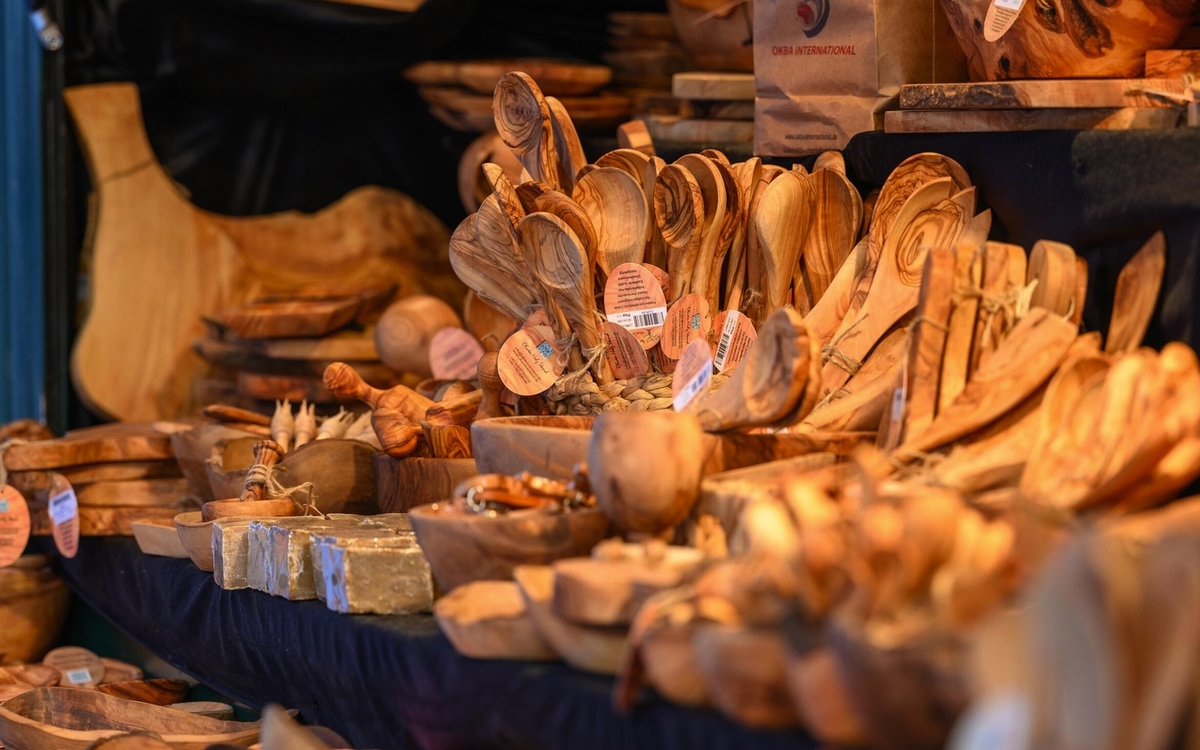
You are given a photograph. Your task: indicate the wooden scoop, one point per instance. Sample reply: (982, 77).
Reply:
(768, 384)
(253, 501)
(398, 411)
(567, 148)
(529, 191)
(1137, 292)
(712, 189)
(486, 276)
(1052, 264)
(781, 223)
(573, 215)
(561, 264)
(679, 211)
(616, 207)
(524, 122)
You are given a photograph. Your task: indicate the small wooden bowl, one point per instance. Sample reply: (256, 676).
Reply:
(590, 649)
(158, 536)
(234, 508)
(193, 448)
(488, 620)
(743, 669)
(544, 446)
(33, 609)
(228, 462)
(196, 536)
(462, 547)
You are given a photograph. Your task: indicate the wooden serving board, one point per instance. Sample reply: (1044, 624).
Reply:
(1013, 120)
(554, 77)
(1040, 94)
(343, 346)
(291, 318)
(92, 445)
(160, 263)
(141, 493)
(236, 356)
(29, 483)
(103, 521)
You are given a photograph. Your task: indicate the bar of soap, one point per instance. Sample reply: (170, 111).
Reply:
(319, 540)
(384, 576)
(229, 552)
(290, 570)
(258, 554)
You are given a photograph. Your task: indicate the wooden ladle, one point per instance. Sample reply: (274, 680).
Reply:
(616, 207)
(524, 122)
(561, 265)
(398, 411)
(679, 211)
(253, 501)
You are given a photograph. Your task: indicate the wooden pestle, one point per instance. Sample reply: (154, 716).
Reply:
(397, 412)
(490, 386)
(266, 453)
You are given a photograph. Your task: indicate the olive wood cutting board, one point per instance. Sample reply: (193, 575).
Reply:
(91, 445)
(1040, 94)
(297, 318)
(29, 483)
(104, 521)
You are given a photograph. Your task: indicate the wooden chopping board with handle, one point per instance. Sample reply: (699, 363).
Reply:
(159, 263)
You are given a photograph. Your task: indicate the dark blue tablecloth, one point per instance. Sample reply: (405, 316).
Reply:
(382, 682)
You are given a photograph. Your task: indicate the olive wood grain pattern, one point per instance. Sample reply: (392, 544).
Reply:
(488, 620)
(712, 191)
(1137, 291)
(956, 361)
(590, 649)
(859, 404)
(91, 445)
(405, 483)
(397, 412)
(834, 230)
(781, 223)
(567, 148)
(927, 345)
(291, 318)
(679, 212)
(616, 207)
(523, 120)
(544, 446)
(1052, 265)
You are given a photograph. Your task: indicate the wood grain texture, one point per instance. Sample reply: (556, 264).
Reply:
(522, 118)
(1052, 265)
(712, 190)
(157, 692)
(397, 412)
(781, 223)
(567, 146)
(544, 446)
(1171, 63)
(150, 243)
(927, 346)
(405, 483)
(590, 649)
(679, 212)
(290, 319)
(133, 493)
(29, 483)
(859, 404)
(992, 320)
(706, 84)
(343, 346)
(1137, 291)
(1043, 94)
(104, 521)
(91, 445)
(616, 208)
(554, 77)
(956, 360)
(1020, 120)
(487, 620)
(669, 129)
(834, 230)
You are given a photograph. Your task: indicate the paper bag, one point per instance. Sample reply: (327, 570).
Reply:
(826, 70)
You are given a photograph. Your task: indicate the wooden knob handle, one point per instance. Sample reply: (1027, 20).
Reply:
(490, 384)
(343, 382)
(266, 453)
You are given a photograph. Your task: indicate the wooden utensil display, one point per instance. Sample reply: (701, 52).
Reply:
(713, 195)
(397, 412)
(781, 224)
(151, 244)
(928, 343)
(679, 212)
(544, 446)
(523, 121)
(1137, 293)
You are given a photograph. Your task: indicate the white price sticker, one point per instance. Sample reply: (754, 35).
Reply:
(79, 676)
(637, 320)
(691, 389)
(727, 331)
(63, 507)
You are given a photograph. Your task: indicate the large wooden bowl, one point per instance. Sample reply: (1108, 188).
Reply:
(1107, 40)
(33, 608)
(402, 484)
(718, 43)
(544, 446)
(462, 547)
(68, 719)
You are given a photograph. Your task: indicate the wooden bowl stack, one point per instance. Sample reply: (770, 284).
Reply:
(459, 92)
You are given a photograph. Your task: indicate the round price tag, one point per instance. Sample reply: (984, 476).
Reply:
(79, 667)
(634, 300)
(688, 320)
(454, 354)
(662, 362)
(64, 515)
(731, 338)
(663, 278)
(1001, 16)
(626, 357)
(693, 375)
(530, 361)
(14, 525)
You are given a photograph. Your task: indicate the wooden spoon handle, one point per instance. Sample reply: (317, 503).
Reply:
(266, 453)
(343, 382)
(490, 384)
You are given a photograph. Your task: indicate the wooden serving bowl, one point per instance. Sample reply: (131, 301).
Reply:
(193, 448)
(590, 649)
(545, 446)
(462, 546)
(53, 718)
(719, 43)
(489, 620)
(196, 536)
(235, 508)
(33, 608)
(402, 484)
(1109, 42)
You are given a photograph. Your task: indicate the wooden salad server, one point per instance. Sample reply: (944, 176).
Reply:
(524, 122)
(253, 501)
(1137, 292)
(567, 147)
(781, 223)
(768, 384)
(485, 276)
(968, 277)
(712, 189)
(616, 206)
(679, 211)
(859, 405)
(397, 412)
(561, 264)
(928, 342)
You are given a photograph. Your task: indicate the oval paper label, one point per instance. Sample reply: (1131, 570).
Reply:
(733, 333)
(1001, 15)
(78, 666)
(64, 515)
(663, 278)
(689, 319)
(693, 375)
(634, 300)
(626, 357)
(14, 525)
(454, 355)
(662, 362)
(530, 361)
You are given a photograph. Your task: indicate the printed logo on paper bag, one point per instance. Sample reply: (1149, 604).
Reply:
(812, 15)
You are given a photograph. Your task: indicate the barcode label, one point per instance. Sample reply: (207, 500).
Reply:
(637, 320)
(727, 331)
(3, 506)
(79, 676)
(697, 384)
(63, 507)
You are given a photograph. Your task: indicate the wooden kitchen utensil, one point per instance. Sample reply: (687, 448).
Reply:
(567, 147)
(523, 121)
(781, 223)
(616, 208)
(590, 649)
(928, 341)
(1137, 293)
(254, 501)
(487, 276)
(712, 191)
(679, 212)
(91, 445)
(397, 412)
(834, 230)
(1052, 265)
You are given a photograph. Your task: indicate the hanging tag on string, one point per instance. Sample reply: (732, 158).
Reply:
(14, 525)
(64, 515)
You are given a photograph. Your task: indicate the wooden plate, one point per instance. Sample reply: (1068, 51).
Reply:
(555, 78)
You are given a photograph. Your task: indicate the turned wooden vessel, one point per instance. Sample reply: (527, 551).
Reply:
(253, 502)
(544, 446)
(33, 608)
(462, 546)
(54, 718)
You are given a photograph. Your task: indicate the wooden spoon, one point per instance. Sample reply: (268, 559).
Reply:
(859, 405)
(1052, 264)
(573, 215)
(679, 211)
(780, 226)
(733, 231)
(616, 206)
(834, 230)
(769, 382)
(1137, 292)
(567, 148)
(561, 264)
(488, 278)
(529, 191)
(506, 197)
(749, 174)
(524, 122)
(253, 500)
(656, 247)
(397, 414)
(626, 159)
(833, 307)
(712, 188)
(928, 342)
(968, 276)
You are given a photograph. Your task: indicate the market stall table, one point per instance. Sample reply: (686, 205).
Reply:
(382, 682)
